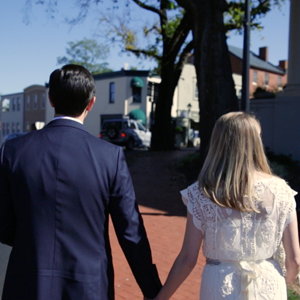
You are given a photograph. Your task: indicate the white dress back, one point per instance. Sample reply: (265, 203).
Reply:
(234, 238)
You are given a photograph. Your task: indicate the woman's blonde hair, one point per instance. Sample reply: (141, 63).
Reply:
(235, 152)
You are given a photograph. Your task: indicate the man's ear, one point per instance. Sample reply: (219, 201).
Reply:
(51, 103)
(91, 104)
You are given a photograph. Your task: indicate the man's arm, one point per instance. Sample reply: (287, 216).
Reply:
(130, 231)
(7, 216)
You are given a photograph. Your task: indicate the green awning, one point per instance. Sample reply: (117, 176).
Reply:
(137, 82)
(138, 114)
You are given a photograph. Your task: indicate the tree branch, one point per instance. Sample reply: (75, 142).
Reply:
(180, 64)
(150, 8)
(180, 33)
(147, 53)
(187, 5)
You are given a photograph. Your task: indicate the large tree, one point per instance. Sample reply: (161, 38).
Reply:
(212, 62)
(170, 47)
(164, 39)
(211, 57)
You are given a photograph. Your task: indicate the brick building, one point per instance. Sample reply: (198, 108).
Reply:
(263, 74)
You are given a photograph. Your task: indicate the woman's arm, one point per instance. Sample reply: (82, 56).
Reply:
(185, 261)
(291, 246)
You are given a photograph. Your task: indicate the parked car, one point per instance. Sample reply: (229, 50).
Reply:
(126, 132)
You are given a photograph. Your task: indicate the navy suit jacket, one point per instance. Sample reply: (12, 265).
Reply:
(58, 187)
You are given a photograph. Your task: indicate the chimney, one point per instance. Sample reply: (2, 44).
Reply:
(283, 64)
(264, 53)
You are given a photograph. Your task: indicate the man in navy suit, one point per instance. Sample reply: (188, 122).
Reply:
(58, 187)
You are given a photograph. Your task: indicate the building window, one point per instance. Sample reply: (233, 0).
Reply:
(254, 79)
(3, 129)
(196, 92)
(137, 84)
(238, 93)
(27, 126)
(27, 102)
(279, 81)
(18, 103)
(43, 103)
(13, 104)
(266, 79)
(18, 127)
(13, 128)
(7, 128)
(152, 91)
(112, 92)
(136, 94)
(35, 100)
(5, 105)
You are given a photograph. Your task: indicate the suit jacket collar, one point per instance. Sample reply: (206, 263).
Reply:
(66, 122)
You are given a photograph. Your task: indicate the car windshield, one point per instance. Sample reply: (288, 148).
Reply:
(110, 124)
(141, 127)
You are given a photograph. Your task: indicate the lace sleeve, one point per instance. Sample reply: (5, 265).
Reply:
(191, 198)
(291, 214)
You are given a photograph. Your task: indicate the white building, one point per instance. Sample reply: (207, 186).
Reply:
(279, 117)
(12, 114)
(118, 94)
(185, 101)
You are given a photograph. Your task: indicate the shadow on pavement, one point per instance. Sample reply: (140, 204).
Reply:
(156, 181)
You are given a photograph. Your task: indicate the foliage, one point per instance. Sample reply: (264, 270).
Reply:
(282, 165)
(234, 17)
(178, 129)
(189, 166)
(263, 93)
(166, 38)
(145, 37)
(287, 168)
(292, 295)
(87, 53)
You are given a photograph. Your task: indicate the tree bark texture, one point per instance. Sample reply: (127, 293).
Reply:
(216, 87)
(162, 131)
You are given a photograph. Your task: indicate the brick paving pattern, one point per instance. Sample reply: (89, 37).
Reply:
(165, 235)
(157, 189)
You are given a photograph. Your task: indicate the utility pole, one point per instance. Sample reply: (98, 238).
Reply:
(245, 105)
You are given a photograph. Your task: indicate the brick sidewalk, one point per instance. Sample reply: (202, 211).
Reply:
(165, 234)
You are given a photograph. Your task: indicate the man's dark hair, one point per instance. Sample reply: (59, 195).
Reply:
(70, 89)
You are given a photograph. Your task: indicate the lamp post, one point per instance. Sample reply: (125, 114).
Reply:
(245, 105)
(189, 106)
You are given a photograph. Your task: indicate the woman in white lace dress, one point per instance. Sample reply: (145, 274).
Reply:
(241, 212)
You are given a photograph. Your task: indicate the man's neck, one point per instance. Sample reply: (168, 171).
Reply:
(79, 119)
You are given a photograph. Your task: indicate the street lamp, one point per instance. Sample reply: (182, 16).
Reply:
(189, 106)
(246, 60)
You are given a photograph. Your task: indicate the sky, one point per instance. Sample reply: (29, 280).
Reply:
(28, 52)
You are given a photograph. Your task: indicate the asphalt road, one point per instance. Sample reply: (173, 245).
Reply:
(4, 254)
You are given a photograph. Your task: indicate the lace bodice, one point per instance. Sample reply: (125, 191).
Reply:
(233, 235)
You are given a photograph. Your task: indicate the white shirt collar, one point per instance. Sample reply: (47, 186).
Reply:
(68, 118)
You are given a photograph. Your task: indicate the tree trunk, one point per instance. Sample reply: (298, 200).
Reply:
(162, 132)
(217, 94)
